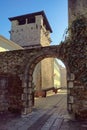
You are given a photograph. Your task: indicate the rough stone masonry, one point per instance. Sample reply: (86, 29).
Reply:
(16, 70)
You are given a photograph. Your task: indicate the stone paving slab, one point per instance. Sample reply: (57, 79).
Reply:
(52, 116)
(54, 122)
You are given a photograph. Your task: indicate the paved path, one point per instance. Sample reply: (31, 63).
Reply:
(49, 113)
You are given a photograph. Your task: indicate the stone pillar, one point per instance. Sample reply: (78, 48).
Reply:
(70, 98)
(27, 96)
(80, 98)
(76, 98)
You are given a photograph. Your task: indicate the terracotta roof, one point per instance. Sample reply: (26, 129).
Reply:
(31, 15)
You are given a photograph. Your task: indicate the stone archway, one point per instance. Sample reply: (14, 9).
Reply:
(22, 63)
(28, 76)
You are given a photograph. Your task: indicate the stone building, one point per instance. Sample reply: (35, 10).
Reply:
(30, 29)
(75, 8)
(7, 45)
(63, 79)
(33, 30)
(57, 74)
(77, 93)
(19, 65)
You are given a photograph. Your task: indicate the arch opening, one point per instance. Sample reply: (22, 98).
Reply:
(39, 84)
(47, 84)
(48, 74)
(28, 84)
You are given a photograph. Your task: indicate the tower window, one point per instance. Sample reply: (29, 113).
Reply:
(31, 20)
(36, 26)
(22, 22)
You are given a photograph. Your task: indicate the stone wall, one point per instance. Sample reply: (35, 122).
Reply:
(43, 74)
(77, 60)
(75, 8)
(47, 73)
(20, 65)
(3, 93)
(10, 93)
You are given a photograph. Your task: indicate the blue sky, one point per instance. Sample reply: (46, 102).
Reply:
(55, 10)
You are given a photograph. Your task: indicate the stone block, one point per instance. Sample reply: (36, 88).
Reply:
(70, 84)
(24, 97)
(71, 99)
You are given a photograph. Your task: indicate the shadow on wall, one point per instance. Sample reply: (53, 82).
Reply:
(10, 93)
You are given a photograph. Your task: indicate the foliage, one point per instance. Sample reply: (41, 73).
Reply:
(75, 48)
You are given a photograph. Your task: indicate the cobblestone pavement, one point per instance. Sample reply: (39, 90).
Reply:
(48, 114)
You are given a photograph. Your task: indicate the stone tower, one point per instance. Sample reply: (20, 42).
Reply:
(76, 7)
(76, 102)
(30, 29)
(33, 30)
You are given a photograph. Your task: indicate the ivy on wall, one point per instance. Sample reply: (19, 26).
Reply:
(75, 49)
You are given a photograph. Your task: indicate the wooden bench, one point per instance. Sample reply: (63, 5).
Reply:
(43, 92)
(48, 89)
